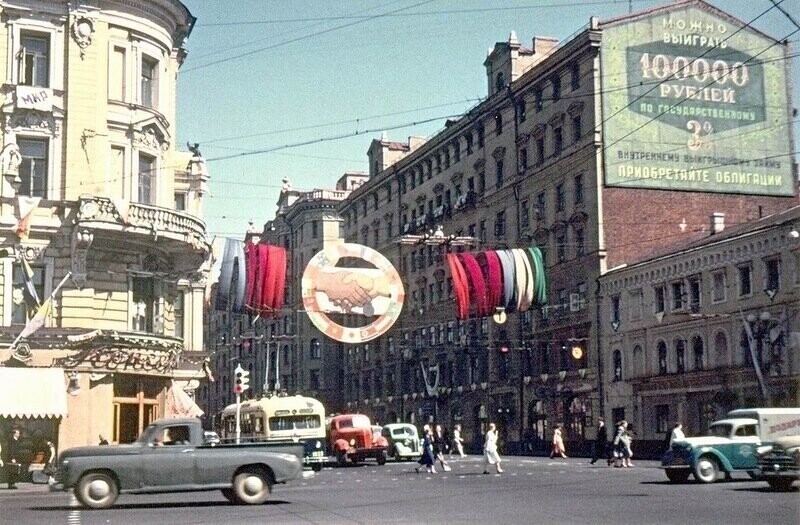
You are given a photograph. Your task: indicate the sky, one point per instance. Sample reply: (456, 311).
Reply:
(299, 88)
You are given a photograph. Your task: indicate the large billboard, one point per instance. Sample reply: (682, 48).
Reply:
(694, 101)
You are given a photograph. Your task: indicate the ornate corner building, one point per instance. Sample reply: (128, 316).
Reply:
(100, 213)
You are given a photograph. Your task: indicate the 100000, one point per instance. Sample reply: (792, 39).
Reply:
(680, 67)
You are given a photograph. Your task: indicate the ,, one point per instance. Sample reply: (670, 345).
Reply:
(351, 436)
(173, 455)
(730, 445)
(404, 441)
(296, 419)
(779, 463)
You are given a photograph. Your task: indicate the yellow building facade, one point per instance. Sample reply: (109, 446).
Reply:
(100, 213)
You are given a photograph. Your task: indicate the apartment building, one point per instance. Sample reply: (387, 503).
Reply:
(694, 333)
(285, 352)
(543, 162)
(604, 150)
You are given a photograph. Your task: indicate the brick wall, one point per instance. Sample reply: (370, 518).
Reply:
(641, 223)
